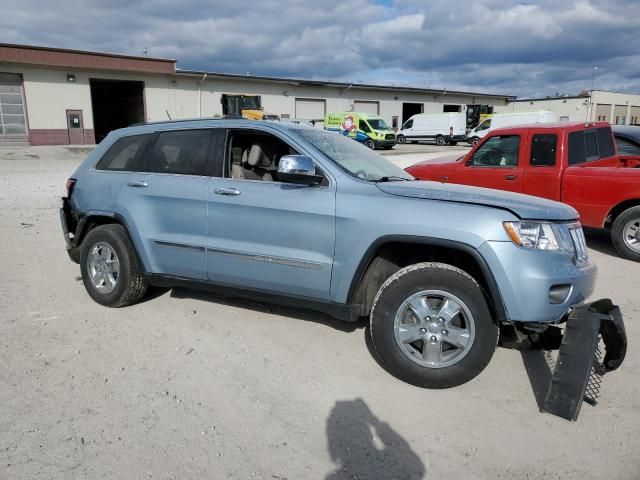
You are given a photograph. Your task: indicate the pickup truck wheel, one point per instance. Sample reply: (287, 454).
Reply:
(369, 144)
(431, 326)
(110, 269)
(440, 140)
(625, 234)
(401, 139)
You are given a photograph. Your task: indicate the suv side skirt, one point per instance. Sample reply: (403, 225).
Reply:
(341, 311)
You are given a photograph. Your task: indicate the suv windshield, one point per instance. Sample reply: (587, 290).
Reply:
(353, 157)
(378, 124)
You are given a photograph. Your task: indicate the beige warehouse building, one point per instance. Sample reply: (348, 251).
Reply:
(615, 108)
(54, 96)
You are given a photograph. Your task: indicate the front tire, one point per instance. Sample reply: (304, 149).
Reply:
(369, 144)
(401, 139)
(625, 234)
(111, 271)
(431, 326)
(475, 141)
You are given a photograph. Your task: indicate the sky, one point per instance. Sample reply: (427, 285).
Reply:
(523, 48)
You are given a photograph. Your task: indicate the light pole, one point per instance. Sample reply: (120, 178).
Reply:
(590, 109)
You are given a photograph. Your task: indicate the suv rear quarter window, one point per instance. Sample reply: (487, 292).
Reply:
(126, 154)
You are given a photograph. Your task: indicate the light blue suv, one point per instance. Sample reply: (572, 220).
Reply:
(291, 214)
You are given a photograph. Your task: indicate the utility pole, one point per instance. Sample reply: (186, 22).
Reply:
(589, 110)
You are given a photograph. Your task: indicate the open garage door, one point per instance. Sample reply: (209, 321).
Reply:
(310, 109)
(116, 104)
(411, 109)
(362, 106)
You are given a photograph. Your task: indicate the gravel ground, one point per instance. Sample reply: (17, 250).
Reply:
(190, 385)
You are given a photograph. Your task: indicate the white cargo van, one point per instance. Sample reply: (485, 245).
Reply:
(499, 120)
(440, 127)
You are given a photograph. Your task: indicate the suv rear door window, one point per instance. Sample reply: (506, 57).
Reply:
(543, 150)
(126, 154)
(181, 152)
(590, 145)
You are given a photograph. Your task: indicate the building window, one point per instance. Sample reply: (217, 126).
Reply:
(394, 122)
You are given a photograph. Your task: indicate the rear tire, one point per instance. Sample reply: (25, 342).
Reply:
(453, 144)
(625, 234)
(369, 144)
(442, 346)
(111, 271)
(440, 140)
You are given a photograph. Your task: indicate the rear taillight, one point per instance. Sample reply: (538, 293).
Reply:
(70, 184)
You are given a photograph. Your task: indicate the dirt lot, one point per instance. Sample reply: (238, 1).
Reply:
(189, 385)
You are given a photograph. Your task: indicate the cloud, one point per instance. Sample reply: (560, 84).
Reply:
(500, 46)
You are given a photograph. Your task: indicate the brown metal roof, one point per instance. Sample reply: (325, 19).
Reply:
(60, 57)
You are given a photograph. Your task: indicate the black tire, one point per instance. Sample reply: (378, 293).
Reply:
(630, 217)
(401, 139)
(369, 144)
(440, 277)
(130, 285)
(475, 141)
(440, 141)
(453, 144)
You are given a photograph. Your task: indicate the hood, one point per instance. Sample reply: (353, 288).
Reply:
(523, 206)
(451, 158)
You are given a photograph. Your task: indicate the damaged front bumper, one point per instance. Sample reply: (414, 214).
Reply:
(579, 367)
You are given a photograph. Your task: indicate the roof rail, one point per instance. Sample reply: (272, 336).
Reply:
(182, 120)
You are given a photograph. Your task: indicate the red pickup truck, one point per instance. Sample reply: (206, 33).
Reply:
(575, 163)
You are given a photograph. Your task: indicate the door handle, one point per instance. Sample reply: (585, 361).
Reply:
(137, 183)
(227, 191)
(510, 177)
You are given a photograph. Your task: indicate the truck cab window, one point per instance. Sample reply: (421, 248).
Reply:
(484, 125)
(543, 150)
(498, 151)
(408, 124)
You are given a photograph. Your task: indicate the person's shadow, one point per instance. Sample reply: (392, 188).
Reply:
(363, 447)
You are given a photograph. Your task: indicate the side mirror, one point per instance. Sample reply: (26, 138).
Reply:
(298, 169)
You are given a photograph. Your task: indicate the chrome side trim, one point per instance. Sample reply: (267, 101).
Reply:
(266, 258)
(179, 245)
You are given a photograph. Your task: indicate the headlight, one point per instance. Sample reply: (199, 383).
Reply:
(540, 235)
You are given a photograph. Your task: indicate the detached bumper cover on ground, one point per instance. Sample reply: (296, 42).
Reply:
(578, 367)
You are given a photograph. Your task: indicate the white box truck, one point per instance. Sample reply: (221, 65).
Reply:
(499, 120)
(439, 127)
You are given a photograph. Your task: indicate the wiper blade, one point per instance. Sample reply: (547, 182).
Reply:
(392, 179)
